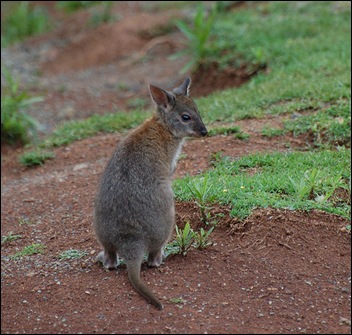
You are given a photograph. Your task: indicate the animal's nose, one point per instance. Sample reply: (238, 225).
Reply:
(204, 132)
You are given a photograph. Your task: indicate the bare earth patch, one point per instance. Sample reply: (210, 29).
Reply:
(279, 271)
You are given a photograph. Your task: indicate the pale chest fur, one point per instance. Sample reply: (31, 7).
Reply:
(175, 158)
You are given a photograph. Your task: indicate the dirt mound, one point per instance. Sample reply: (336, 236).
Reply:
(213, 78)
(107, 43)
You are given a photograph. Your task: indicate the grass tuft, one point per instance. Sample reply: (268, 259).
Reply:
(23, 21)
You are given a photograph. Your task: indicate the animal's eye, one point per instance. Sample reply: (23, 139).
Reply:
(186, 117)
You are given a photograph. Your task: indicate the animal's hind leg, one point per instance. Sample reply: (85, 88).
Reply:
(108, 258)
(155, 258)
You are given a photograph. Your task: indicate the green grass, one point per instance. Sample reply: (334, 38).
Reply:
(272, 132)
(33, 249)
(166, 5)
(72, 254)
(99, 16)
(307, 48)
(137, 103)
(177, 300)
(235, 130)
(80, 129)
(72, 6)
(22, 21)
(16, 124)
(224, 130)
(327, 126)
(10, 237)
(26, 221)
(36, 157)
(72, 131)
(264, 180)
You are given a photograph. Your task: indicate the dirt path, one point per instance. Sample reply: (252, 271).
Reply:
(277, 272)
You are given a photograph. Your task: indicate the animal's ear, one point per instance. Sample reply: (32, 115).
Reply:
(184, 88)
(161, 97)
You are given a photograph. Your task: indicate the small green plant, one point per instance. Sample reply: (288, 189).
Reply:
(72, 254)
(16, 125)
(241, 136)
(327, 127)
(177, 300)
(182, 156)
(122, 86)
(201, 238)
(272, 132)
(137, 103)
(105, 15)
(329, 187)
(198, 36)
(33, 249)
(259, 58)
(347, 187)
(171, 249)
(224, 131)
(215, 158)
(98, 17)
(24, 20)
(224, 6)
(314, 185)
(72, 6)
(36, 157)
(201, 190)
(184, 238)
(10, 237)
(305, 188)
(25, 221)
(187, 238)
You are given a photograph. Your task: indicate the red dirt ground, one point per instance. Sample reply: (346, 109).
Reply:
(279, 271)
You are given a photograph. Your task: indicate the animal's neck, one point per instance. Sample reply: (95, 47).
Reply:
(169, 145)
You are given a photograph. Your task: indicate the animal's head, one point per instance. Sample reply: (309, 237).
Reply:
(177, 111)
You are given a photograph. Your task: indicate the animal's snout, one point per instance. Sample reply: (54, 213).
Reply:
(204, 132)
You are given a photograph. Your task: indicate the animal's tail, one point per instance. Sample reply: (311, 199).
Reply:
(134, 270)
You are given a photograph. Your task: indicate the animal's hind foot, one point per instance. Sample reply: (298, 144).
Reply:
(109, 261)
(155, 259)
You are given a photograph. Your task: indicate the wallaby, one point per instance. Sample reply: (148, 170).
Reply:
(134, 207)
